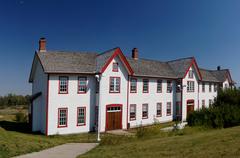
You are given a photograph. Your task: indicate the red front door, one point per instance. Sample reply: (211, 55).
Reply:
(113, 117)
(190, 106)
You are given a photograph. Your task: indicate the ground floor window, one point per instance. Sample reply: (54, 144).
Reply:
(169, 108)
(145, 111)
(159, 109)
(62, 117)
(203, 103)
(81, 116)
(132, 112)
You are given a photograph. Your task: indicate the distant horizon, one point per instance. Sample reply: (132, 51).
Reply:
(163, 30)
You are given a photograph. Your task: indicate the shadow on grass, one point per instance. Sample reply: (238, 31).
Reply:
(22, 127)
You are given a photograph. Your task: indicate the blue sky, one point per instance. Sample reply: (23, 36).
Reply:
(160, 29)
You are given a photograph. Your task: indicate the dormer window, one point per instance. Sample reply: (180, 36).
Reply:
(115, 67)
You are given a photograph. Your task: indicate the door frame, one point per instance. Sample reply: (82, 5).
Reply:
(112, 105)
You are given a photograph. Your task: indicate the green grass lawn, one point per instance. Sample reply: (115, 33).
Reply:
(191, 142)
(17, 139)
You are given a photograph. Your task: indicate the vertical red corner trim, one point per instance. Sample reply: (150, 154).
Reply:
(47, 98)
(84, 107)
(127, 99)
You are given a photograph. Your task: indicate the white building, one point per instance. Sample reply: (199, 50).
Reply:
(70, 90)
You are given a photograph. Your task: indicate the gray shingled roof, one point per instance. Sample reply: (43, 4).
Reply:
(180, 66)
(207, 75)
(146, 67)
(68, 62)
(89, 62)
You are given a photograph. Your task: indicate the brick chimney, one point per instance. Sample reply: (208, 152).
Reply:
(42, 45)
(135, 53)
(219, 68)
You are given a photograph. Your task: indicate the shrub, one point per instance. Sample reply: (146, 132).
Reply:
(21, 117)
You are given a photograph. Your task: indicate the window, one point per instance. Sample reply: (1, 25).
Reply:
(203, 104)
(210, 102)
(145, 85)
(178, 86)
(169, 87)
(62, 117)
(169, 108)
(82, 84)
(81, 116)
(203, 87)
(190, 74)
(115, 67)
(210, 87)
(215, 87)
(63, 85)
(159, 109)
(178, 108)
(133, 85)
(145, 111)
(114, 86)
(159, 86)
(190, 86)
(132, 112)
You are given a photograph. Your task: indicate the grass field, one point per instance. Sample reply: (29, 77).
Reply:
(17, 139)
(191, 142)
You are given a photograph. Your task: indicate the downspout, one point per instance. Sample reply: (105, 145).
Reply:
(99, 108)
(127, 99)
(182, 100)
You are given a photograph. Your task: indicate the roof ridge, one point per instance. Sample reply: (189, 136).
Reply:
(108, 51)
(72, 52)
(180, 59)
(147, 59)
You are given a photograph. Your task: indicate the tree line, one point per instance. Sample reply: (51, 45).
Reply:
(13, 100)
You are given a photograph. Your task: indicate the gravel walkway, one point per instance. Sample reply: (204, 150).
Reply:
(70, 150)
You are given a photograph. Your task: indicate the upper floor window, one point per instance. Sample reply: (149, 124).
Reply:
(159, 109)
(132, 112)
(63, 85)
(145, 85)
(190, 86)
(210, 87)
(82, 84)
(169, 86)
(115, 67)
(190, 74)
(81, 116)
(178, 86)
(203, 87)
(145, 111)
(62, 117)
(203, 103)
(114, 86)
(133, 85)
(169, 108)
(210, 102)
(159, 86)
(215, 87)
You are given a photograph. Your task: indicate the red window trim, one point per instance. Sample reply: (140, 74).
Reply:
(189, 74)
(79, 85)
(161, 85)
(113, 70)
(119, 84)
(169, 81)
(170, 109)
(189, 91)
(147, 111)
(59, 85)
(143, 85)
(136, 85)
(61, 126)
(204, 87)
(161, 110)
(135, 112)
(84, 107)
